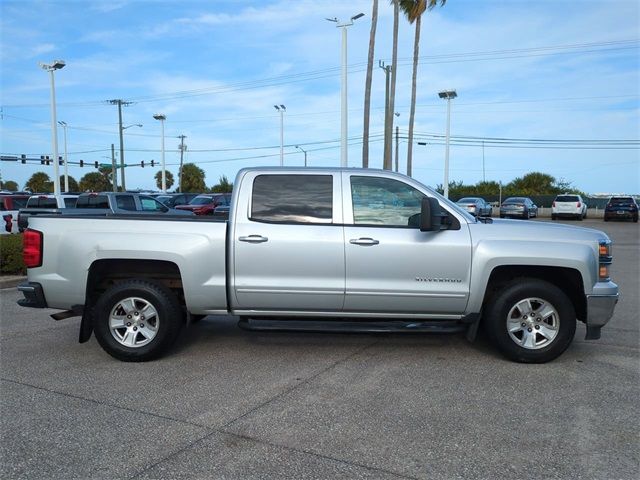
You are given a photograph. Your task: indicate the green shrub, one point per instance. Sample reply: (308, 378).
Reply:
(11, 255)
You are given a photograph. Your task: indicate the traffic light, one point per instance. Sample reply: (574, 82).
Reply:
(152, 163)
(142, 163)
(23, 158)
(41, 159)
(95, 164)
(60, 161)
(82, 163)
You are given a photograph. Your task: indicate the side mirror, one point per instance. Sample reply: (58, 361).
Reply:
(430, 215)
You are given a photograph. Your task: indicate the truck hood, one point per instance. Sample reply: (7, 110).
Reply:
(532, 231)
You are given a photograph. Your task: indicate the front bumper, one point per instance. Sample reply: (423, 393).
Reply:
(33, 295)
(600, 306)
(600, 309)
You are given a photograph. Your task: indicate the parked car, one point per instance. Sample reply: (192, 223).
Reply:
(621, 207)
(476, 206)
(569, 205)
(125, 203)
(206, 203)
(222, 211)
(50, 201)
(172, 200)
(104, 204)
(522, 207)
(9, 206)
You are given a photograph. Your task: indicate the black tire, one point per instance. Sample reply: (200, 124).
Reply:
(163, 321)
(580, 217)
(553, 217)
(502, 309)
(501, 216)
(606, 219)
(635, 219)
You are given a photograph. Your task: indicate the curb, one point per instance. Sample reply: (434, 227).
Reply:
(11, 281)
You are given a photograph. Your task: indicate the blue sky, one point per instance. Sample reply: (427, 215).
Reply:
(546, 70)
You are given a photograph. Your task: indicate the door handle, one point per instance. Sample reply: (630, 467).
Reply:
(254, 239)
(364, 241)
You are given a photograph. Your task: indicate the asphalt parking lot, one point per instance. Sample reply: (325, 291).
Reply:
(227, 403)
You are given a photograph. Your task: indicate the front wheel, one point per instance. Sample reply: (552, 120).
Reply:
(530, 321)
(137, 320)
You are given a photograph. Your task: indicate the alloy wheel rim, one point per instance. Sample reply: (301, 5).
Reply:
(133, 322)
(533, 323)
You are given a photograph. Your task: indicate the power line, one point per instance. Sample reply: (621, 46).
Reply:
(358, 67)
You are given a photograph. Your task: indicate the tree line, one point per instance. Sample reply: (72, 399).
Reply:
(193, 181)
(534, 183)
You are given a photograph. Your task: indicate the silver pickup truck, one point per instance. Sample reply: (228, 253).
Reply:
(319, 244)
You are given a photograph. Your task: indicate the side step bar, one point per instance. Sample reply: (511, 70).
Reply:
(350, 326)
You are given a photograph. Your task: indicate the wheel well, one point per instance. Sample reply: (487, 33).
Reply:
(104, 273)
(568, 280)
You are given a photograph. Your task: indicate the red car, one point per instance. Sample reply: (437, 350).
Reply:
(205, 204)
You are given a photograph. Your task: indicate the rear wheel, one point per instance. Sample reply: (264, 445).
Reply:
(553, 216)
(530, 321)
(137, 320)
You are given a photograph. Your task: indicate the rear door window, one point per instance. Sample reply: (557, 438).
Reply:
(126, 202)
(93, 201)
(292, 199)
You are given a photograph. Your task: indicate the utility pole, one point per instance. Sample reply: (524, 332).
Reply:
(66, 172)
(120, 103)
(281, 109)
(397, 145)
(386, 162)
(114, 169)
(484, 179)
(182, 147)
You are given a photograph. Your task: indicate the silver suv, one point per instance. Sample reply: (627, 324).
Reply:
(569, 205)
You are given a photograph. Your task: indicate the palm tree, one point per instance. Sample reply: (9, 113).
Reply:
(388, 121)
(413, 10)
(367, 88)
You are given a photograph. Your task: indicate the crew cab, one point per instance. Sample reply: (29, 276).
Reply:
(360, 245)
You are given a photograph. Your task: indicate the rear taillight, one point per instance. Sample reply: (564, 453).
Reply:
(578, 205)
(553, 204)
(32, 248)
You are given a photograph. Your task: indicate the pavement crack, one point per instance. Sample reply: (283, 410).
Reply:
(298, 385)
(106, 404)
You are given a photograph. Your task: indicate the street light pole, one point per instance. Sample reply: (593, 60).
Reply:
(162, 118)
(343, 96)
(56, 65)
(305, 154)
(281, 109)
(66, 173)
(448, 94)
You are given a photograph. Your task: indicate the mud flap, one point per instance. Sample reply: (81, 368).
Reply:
(86, 326)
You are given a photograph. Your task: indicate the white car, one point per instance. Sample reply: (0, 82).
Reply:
(50, 201)
(569, 205)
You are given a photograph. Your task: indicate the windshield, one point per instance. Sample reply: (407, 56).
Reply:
(514, 200)
(567, 198)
